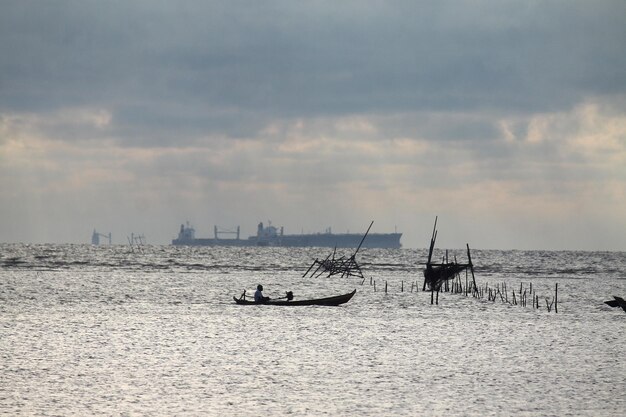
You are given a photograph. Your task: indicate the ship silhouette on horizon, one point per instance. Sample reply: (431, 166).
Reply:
(273, 236)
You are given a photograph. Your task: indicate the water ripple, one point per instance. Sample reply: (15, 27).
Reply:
(104, 331)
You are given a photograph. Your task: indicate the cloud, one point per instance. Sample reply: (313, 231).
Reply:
(313, 115)
(201, 66)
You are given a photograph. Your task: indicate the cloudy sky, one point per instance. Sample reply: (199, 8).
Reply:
(507, 119)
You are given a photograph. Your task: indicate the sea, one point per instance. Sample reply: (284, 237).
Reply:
(154, 331)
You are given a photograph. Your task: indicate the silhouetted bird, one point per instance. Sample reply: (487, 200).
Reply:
(618, 302)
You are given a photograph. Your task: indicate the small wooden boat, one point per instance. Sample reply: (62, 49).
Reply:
(328, 301)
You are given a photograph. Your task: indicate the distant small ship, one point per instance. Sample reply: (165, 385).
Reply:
(95, 237)
(272, 236)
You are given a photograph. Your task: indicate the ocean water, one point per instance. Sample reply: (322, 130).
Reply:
(103, 330)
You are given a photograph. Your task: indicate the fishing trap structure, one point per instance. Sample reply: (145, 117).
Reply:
(438, 275)
(332, 265)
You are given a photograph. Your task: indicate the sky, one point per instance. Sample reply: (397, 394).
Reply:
(506, 119)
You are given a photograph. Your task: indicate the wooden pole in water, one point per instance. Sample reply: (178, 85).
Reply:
(466, 282)
(556, 296)
(364, 236)
(307, 271)
(430, 251)
(320, 264)
(469, 258)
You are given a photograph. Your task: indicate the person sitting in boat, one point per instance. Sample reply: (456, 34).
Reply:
(258, 295)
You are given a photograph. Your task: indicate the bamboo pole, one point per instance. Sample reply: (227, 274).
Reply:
(466, 282)
(469, 259)
(556, 297)
(430, 251)
(364, 236)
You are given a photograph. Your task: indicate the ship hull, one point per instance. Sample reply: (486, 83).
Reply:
(345, 240)
(211, 242)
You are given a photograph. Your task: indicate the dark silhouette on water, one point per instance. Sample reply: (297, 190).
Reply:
(289, 301)
(618, 302)
(437, 274)
(347, 267)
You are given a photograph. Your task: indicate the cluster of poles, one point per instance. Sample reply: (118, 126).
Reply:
(136, 242)
(500, 292)
(444, 276)
(333, 265)
(522, 297)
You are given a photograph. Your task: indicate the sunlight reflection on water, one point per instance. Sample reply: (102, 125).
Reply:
(113, 334)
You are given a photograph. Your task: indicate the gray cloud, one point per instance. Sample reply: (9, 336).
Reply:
(174, 65)
(237, 110)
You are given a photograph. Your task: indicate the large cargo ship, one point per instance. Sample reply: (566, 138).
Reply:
(273, 236)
